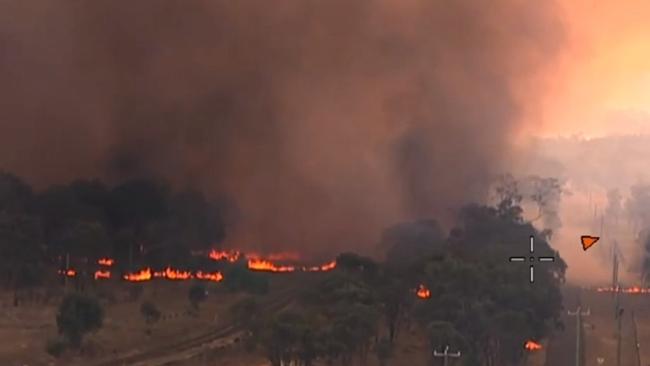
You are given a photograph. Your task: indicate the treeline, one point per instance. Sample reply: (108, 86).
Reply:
(136, 222)
(480, 304)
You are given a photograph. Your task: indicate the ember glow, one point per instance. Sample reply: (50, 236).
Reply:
(269, 262)
(532, 346)
(268, 266)
(68, 272)
(255, 262)
(142, 275)
(169, 273)
(423, 292)
(173, 274)
(215, 277)
(324, 268)
(625, 290)
(283, 256)
(108, 262)
(233, 255)
(230, 255)
(101, 274)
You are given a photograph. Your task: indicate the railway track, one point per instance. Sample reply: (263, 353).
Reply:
(197, 342)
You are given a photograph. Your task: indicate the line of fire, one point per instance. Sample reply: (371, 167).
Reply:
(254, 262)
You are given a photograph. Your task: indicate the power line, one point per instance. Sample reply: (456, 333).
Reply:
(446, 355)
(637, 346)
(579, 314)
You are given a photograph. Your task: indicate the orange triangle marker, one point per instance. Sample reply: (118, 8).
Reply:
(588, 241)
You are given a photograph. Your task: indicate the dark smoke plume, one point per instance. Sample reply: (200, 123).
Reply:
(325, 121)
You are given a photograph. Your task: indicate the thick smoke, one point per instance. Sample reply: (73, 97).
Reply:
(325, 121)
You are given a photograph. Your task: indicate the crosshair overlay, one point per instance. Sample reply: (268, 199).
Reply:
(531, 259)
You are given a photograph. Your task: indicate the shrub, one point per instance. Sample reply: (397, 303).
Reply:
(197, 294)
(150, 312)
(78, 314)
(55, 346)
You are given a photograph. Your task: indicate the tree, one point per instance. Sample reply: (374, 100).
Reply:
(239, 278)
(352, 262)
(384, 351)
(249, 314)
(198, 221)
(546, 194)
(15, 195)
(282, 337)
(84, 239)
(394, 295)
(197, 294)
(133, 206)
(508, 197)
(484, 299)
(409, 242)
(78, 314)
(150, 312)
(21, 251)
(246, 311)
(354, 325)
(443, 334)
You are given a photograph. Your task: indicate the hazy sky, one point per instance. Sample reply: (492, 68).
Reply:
(601, 83)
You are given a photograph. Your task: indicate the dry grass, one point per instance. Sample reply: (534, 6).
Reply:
(25, 330)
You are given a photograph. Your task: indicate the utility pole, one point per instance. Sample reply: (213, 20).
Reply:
(615, 283)
(579, 314)
(65, 274)
(619, 318)
(446, 355)
(637, 346)
(618, 311)
(131, 256)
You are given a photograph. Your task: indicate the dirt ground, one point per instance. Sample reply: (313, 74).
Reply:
(411, 350)
(601, 329)
(24, 330)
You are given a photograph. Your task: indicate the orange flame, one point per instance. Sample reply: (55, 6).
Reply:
(282, 256)
(323, 268)
(106, 262)
(142, 275)
(626, 290)
(100, 274)
(230, 256)
(268, 266)
(256, 264)
(423, 292)
(216, 276)
(68, 272)
(532, 346)
(173, 274)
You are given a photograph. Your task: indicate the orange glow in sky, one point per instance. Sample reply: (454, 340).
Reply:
(601, 81)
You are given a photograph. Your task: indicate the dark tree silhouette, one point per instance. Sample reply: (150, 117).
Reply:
(78, 314)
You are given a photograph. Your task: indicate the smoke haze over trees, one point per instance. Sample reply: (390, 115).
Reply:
(325, 122)
(607, 178)
(138, 221)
